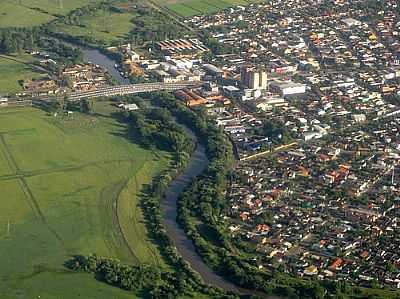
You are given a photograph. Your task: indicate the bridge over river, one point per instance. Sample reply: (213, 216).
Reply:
(120, 90)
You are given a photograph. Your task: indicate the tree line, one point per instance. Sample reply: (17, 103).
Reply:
(14, 40)
(154, 127)
(143, 278)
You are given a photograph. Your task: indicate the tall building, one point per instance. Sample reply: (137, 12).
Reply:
(253, 78)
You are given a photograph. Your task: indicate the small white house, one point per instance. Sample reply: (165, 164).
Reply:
(129, 107)
(3, 101)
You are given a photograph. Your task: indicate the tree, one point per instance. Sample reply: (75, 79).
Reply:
(84, 106)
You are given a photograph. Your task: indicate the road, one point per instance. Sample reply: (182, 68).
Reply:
(127, 89)
(120, 90)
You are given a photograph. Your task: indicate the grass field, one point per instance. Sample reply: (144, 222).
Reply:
(69, 187)
(11, 72)
(187, 8)
(25, 13)
(103, 26)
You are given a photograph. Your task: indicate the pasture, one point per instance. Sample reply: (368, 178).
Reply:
(187, 8)
(104, 26)
(70, 189)
(12, 72)
(27, 13)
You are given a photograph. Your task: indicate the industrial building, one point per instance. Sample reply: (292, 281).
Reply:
(181, 47)
(285, 88)
(213, 70)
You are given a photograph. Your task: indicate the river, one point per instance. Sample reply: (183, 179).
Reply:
(96, 57)
(197, 164)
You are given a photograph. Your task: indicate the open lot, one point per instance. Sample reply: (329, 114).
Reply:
(26, 13)
(69, 187)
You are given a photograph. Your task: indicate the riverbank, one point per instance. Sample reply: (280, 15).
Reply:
(197, 164)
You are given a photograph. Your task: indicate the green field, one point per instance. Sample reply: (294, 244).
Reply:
(25, 13)
(102, 26)
(187, 8)
(69, 187)
(11, 72)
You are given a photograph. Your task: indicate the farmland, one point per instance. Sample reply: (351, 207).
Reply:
(69, 186)
(26, 13)
(12, 71)
(187, 8)
(119, 22)
(105, 26)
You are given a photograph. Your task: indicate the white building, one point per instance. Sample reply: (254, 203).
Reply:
(3, 101)
(358, 118)
(129, 107)
(311, 135)
(133, 56)
(251, 94)
(272, 102)
(182, 63)
(351, 22)
(288, 88)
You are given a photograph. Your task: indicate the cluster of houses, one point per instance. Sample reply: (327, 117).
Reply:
(328, 208)
(85, 77)
(80, 77)
(326, 201)
(314, 68)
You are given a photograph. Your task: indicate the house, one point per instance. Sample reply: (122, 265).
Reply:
(350, 22)
(3, 101)
(311, 270)
(133, 56)
(129, 107)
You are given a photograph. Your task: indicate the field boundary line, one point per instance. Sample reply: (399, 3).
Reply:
(3, 112)
(193, 8)
(121, 231)
(16, 131)
(8, 155)
(152, 252)
(214, 5)
(33, 67)
(10, 177)
(33, 173)
(171, 15)
(155, 257)
(36, 207)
